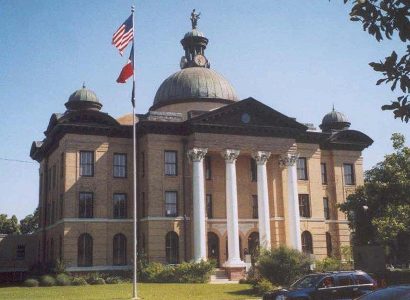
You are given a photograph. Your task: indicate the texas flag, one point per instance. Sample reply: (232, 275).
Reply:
(128, 70)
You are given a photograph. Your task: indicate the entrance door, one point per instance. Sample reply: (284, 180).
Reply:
(213, 247)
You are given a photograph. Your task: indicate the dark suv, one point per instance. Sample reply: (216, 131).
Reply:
(326, 286)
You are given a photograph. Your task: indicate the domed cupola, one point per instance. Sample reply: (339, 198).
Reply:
(334, 121)
(195, 82)
(83, 99)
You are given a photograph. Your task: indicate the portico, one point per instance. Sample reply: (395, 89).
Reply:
(234, 263)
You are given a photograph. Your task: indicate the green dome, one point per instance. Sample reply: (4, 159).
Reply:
(83, 99)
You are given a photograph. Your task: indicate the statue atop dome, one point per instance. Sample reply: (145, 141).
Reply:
(194, 19)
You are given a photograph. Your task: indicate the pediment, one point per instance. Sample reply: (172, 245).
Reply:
(247, 113)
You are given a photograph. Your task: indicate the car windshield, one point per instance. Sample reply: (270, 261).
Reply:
(309, 281)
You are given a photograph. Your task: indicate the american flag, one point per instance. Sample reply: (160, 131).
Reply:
(123, 35)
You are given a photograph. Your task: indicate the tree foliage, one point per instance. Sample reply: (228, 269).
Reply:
(379, 211)
(383, 18)
(29, 224)
(11, 225)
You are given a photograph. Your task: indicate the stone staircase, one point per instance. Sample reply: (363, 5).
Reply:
(220, 277)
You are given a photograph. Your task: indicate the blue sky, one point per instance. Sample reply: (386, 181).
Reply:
(299, 57)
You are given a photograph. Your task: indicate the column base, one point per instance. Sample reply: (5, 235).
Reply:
(235, 273)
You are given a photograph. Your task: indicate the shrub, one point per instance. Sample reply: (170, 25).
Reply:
(98, 281)
(152, 272)
(79, 281)
(194, 272)
(183, 273)
(113, 280)
(63, 280)
(253, 276)
(282, 265)
(58, 267)
(47, 280)
(31, 282)
(398, 276)
(328, 264)
(262, 286)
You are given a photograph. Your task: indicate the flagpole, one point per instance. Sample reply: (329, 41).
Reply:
(134, 142)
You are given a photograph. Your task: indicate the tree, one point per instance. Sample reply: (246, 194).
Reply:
(29, 224)
(379, 211)
(384, 18)
(9, 226)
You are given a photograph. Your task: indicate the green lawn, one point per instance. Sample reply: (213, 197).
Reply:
(146, 291)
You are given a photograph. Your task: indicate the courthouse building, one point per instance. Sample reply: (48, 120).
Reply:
(218, 176)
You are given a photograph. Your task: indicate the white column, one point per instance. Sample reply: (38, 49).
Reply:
(261, 157)
(234, 259)
(196, 155)
(293, 201)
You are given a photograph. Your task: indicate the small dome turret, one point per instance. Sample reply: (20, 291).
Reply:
(334, 121)
(83, 99)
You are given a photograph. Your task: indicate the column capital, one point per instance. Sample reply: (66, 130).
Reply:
(288, 159)
(230, 155)
(261, 157)
(197, 154)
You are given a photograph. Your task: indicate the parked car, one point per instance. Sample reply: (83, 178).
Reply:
(397, 292)
(326, 286)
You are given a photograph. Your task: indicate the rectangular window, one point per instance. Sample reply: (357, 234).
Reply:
(255, 207)
(171, 204)
(348, 174)
(20, 252)
(53, 210)
(54, 176)
(61, 206)
(120, 206)
(143, 208)
(62, 162)
(254, 174)
(120, 165)
(86, 205)
(86, 163)
(142, 164)
(326, 209)
(324, 173)
(208, 168)
(49, 179)
(302, 169)
(170, 158)
(304, 206)
(209, 208)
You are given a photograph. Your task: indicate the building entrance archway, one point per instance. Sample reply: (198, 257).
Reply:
(213, 247)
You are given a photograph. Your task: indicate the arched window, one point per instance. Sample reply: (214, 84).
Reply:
(85, 250)
(119, 252)
(329, 244)
(172, 247)
(307, 244)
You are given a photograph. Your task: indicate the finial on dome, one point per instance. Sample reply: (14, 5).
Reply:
(333, 107)
(194, 19)
(83, 84)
